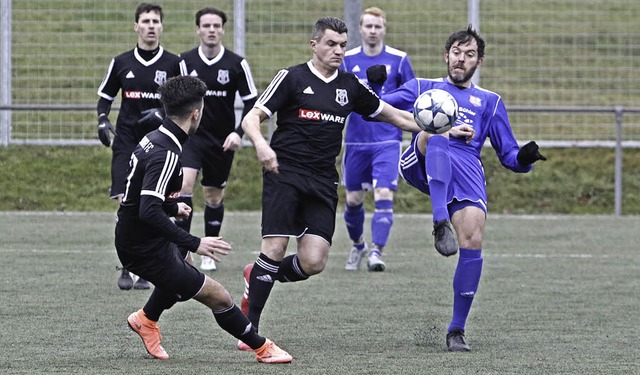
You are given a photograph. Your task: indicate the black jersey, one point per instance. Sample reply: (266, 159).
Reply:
(153, 183)
(312, 111)
(224, 75)
(139, 80)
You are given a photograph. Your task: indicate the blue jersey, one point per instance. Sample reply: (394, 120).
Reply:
(399, 71)
(482, 109)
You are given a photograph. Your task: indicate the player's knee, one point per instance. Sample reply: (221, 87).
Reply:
(471, 240)
(383, 193)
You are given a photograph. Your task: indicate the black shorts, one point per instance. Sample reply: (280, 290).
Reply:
(206, 154)
(166, 269)
(294, 204)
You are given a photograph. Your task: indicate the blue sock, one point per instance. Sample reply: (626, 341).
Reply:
(381, 222)
(438, 170)
(465, 286)
(354, 218)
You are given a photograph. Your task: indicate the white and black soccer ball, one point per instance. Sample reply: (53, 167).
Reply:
(435, 111)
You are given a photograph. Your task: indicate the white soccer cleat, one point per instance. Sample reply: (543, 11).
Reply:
(355, 258)
(375, 262)
(207, 264)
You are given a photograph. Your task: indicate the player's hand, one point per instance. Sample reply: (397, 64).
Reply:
(104, 127)
(377, 74)
(463, 131)
(267, 157)
(152, 117)
(232, 142)
(529, 154)
(183, 211)
(213, 247)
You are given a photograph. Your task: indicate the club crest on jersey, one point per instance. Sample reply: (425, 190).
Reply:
(223, 76)
(161, 77)
(341, 97)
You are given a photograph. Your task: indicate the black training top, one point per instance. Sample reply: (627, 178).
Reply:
(153, 183)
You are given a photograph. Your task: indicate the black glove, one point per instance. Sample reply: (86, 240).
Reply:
(152, 117)
(529, 154)
(377, 74)
(104, 127)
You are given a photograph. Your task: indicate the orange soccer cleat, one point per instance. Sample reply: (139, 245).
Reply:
(148, 332)
(271, 353)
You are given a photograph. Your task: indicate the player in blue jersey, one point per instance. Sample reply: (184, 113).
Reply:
(449, 169)
(372, 149)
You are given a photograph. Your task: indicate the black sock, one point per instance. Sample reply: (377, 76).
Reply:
(290, 270)
(233, 321)
(263, 275)
(213, 216)
(158, 302)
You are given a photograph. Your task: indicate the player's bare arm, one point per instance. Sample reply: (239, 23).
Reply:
(251, 126)
(401, 119)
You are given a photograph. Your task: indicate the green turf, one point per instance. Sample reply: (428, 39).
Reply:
(558, 296)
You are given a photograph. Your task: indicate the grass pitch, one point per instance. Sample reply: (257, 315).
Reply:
(559, 294)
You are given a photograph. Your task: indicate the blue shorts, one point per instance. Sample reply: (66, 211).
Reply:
(467, 176)
(370, 166)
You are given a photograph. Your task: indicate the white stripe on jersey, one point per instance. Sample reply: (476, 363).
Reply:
(253, 91)
(104, 82)
(183, 68)
(273, 86)
(152, 193)
(170, 164)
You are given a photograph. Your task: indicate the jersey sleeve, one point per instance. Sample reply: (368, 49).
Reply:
(404, 96)
(405, 71)
(367, 102)
(246, 85)
(159, 171)
(110, 85)
(276, 94)
(502, 139)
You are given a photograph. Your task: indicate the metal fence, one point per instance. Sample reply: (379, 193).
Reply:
(567, 70)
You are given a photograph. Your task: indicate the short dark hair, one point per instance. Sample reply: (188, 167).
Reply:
(464, 37)
(148, 7)
(182, 94)
(210, 10)
(331, 23)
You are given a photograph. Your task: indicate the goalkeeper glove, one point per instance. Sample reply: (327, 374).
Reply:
(377, 74)
(529, 154)
(152, 117)
(104, 127)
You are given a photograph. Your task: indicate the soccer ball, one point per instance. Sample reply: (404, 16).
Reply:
(435, 111)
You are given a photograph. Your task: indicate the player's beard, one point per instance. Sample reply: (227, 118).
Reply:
(459, 79)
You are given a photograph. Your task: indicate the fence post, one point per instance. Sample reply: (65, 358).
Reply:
(618, 163)
(352, 10)
(5, 71)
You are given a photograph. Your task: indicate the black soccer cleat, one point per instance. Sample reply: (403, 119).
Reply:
(455, 341)
(125, 281)
(444, 240)
(141, 284)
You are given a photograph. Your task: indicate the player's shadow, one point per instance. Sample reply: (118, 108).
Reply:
(429, 337)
